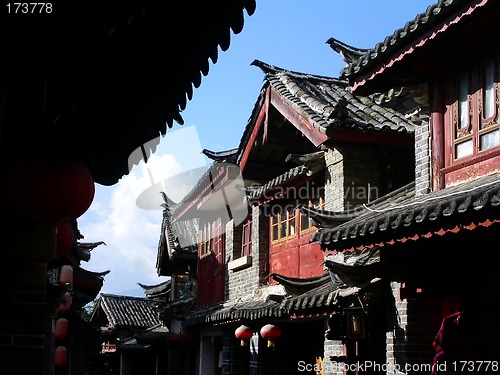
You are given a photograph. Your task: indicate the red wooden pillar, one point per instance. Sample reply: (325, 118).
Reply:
(437, 136)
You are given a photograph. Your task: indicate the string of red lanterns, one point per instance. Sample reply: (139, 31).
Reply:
(269, 332)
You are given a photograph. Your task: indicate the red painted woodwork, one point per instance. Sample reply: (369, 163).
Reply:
(354, 136)
(306, 128)
(476, 167)
(253, 136)
(296, 257)
(437, 136)
(211, 280)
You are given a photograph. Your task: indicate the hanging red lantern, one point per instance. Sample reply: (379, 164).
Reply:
(61, 329)
(66, 276)
(271, 333)
(51, 189)
(60, 356)
(65, 238)
(66, 304)
(244, 334)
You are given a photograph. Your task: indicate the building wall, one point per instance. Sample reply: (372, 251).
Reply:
(334, 180)
(422, 159)
(243, 282)
(357, 174)
(409, 343)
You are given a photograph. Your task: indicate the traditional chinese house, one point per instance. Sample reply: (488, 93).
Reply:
(307, 143)
(438, 241)
(81, 89)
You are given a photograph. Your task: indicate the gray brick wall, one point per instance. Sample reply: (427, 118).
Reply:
(333, 348)
(242, 283)
(334, 180)
(422, 159)
(409, 344)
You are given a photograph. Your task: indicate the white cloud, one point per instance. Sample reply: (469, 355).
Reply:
(132, 233)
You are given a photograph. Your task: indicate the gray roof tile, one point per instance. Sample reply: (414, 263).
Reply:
(134, 312)
(317, 97)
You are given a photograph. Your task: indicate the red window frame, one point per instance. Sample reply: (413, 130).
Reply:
(246, 238)
(467, 138)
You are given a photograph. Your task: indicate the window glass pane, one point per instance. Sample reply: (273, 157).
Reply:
(283, 229)
(490, 139)
(275, 232)
(488, 90)
(245, 233)
(292, 226)
(275, 219)
(464, 149)
(304, 222)
(463, 98)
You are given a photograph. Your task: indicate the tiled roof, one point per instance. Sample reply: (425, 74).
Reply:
(290, 175)
(319, 296)
(423, 22)
(163, 48)
(309, 164)
(327, 103)
(158, 290)
(391, 215)
(227, 156)
(297, 286)
(348, 53)
(128, 311)
(323, 218)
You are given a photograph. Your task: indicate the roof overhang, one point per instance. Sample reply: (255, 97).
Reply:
(99, 83)
(415, 54)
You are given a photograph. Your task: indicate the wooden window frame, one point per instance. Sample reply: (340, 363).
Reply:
(246, 238)
(311, 203)
(211, 238)
(288, 224)
(477, 126)
(284, 219)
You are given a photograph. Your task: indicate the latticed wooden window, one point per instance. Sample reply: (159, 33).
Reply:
(283, 223)
(246, 238)
(474, 117)
(306, 222)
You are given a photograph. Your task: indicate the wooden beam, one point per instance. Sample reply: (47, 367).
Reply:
(253, 136)
(297, 120)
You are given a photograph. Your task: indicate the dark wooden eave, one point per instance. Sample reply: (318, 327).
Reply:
(97, 82)
(469, 205)
(414, 53)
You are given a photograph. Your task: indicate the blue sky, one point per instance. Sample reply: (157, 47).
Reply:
(291, 34)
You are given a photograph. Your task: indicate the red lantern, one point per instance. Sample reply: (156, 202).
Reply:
(48, 189)
(66, 304)
(65, 238)
(60, 356)
(244, 334)
(61, 329)
(271, 333)
(66, 276)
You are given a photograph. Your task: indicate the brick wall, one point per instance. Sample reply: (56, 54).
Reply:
(242, 283)
(409, 344)
(357, 174)
(422, 159)
(334, 180)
